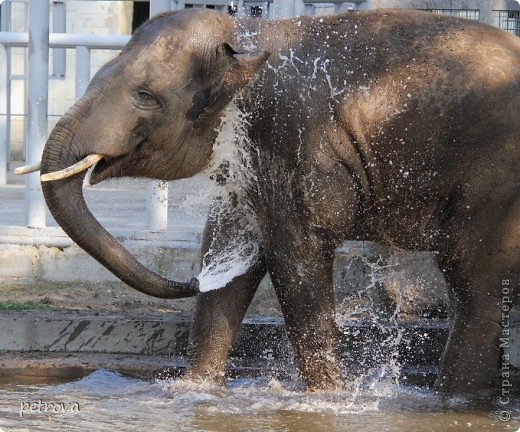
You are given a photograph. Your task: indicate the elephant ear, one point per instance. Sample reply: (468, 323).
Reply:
(222, 77)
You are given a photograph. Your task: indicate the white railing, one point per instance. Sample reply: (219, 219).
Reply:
(38, 41)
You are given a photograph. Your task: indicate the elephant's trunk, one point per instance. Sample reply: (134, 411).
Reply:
(67, 204)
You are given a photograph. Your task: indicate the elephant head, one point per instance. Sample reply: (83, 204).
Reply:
(150, 112)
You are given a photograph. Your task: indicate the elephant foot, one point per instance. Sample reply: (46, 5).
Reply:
(475, 390)
(169, 373)
(322, 373)
(471, 362)
(212, 379)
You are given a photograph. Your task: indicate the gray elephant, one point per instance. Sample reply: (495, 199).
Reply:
(399, 127)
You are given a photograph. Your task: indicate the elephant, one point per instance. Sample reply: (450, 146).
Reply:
(394, 126)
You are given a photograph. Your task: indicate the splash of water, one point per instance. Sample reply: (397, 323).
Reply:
(110, 401)
(230, 214)
(382, 370)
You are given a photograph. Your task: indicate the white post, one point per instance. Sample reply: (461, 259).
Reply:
(241, 7)
(309, 9)
(82, 70)
(59, 26)
(299, 8)
(5, 95)
(4, 100)
(283, 9)
(37, 85)
(5, 25)
(158, 6)
(486, 13)
(157, 191)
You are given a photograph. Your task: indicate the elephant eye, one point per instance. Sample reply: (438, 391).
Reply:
(144, 99)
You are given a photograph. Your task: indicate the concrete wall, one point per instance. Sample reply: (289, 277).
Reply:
(367, 276)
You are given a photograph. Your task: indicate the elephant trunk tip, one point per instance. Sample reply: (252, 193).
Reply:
(194, 285)
(176, 289)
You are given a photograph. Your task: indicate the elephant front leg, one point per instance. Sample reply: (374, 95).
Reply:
(303, 282)
(231, 257)
(218, 317)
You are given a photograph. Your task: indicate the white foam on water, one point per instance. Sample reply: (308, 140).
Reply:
(257, 396)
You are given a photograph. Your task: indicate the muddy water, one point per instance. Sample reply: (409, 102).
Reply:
(110, 402)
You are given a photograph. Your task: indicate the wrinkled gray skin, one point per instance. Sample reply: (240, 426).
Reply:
(393, 126)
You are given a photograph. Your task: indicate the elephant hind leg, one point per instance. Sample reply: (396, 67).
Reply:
(471, 359)
(303, 283)
(482, 266)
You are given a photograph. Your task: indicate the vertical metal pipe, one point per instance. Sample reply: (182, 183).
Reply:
(157, 191)
(58, 26)
(5, 25)
(299, 8)
(158, 6)
(341, 7)
(5, 22)
(4, 95)
(3, 115)
(268, 10)
(37, 85)
(82, 70)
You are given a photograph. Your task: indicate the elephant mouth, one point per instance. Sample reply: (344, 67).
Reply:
(106, 168)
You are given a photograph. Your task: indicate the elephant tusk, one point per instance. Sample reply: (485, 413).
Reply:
(26, 169)
(78, 167)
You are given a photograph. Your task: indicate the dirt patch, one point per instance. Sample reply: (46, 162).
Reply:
(97, 297)
(110, 297)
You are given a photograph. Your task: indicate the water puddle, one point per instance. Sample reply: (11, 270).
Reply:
(106, 400)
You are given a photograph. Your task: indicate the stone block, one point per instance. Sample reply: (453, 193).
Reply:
(19, 261)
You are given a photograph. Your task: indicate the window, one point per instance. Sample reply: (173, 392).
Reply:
(140, 14)
(256, 11)
(508, 20)
(232, 9)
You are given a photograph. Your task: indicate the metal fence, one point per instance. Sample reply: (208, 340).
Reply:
(473, 14)
(37, 77)
(508, 20)
(38, 74)
(37, 95)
